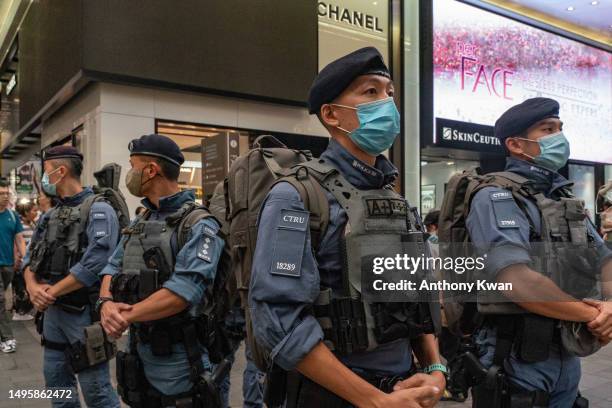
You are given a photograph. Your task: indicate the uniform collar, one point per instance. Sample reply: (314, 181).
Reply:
(170, 203)
(543, 180)
(358, 173)
(77, 198)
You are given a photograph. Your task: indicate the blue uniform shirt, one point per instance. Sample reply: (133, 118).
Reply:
(102, 237)
(279, 303)
(170, 375)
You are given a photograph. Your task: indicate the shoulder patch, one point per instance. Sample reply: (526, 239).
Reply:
(100, 225)
(289, 243)
(504, 208)
(206, 247)
(294, 219)
(500, 195)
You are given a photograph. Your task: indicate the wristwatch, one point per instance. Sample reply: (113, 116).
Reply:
(100, 302)
(436, 367)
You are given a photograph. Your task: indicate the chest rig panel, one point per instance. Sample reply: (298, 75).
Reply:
(62, 245)
(377, 219)
(563, 248)
(148, 258)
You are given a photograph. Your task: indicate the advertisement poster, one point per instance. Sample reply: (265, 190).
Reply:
(485, 63)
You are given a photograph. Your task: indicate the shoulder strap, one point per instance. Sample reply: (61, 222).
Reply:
(315, 201)
(85, 210)
(513, 182)
(191, 218)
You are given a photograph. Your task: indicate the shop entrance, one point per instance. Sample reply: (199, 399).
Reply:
(192, 139)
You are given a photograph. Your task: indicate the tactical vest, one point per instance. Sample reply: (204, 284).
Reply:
(376, 219)
(149, 257)
(563, 250)
(62, 246)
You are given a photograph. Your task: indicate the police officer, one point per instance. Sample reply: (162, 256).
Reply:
(62, 274)
(527, 341)
(353, 98)
(159, 283)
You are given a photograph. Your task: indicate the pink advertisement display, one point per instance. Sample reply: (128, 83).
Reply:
(485, 63)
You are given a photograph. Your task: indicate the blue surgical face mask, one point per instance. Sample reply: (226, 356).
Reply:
(554, 151)
(379, 125)
(48, 188)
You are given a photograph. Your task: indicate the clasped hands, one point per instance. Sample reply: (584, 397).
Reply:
(601, 325)
(113, 319)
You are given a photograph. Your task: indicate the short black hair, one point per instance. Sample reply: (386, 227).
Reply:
(74, 165)
(169, 170)
(4, 182)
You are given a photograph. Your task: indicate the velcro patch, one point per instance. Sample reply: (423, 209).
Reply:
(504, 208)
(206, 247)
(289, 245)
(500, 195)
(293, 219)
(100, 225)
(209, 231)
(386, 207)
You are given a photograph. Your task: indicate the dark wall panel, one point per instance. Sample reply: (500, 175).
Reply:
(265, 48)
(49, 52)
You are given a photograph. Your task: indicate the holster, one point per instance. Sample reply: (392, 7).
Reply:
(275, 387)
(96, 349)
(132, 385)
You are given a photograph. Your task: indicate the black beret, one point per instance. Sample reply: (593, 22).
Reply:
(338, 75)
(520, 117)
(158, 146)
(61, 152)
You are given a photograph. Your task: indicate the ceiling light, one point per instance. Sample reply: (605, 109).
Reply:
(570, 8)
(594, 3)
(450, 163)
(423, 163)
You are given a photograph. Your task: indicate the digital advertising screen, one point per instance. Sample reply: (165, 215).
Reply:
(484, 63)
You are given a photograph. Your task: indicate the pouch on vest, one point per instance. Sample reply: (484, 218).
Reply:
(536, 338)
(148, 283)
(96, 349)
(60, 263)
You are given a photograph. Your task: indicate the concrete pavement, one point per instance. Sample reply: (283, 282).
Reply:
(23, 370)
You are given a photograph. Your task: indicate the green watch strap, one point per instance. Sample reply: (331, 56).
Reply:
(436, 367)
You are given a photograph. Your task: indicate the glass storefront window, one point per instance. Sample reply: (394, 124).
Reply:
(583, 177)
(435, 173)
(210, 151)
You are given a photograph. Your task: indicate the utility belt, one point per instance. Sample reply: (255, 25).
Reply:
(298, 391)
(345, 330)
(132, 288)
(136, 391)
(163, 334)
(529, 335)
(96, 348)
